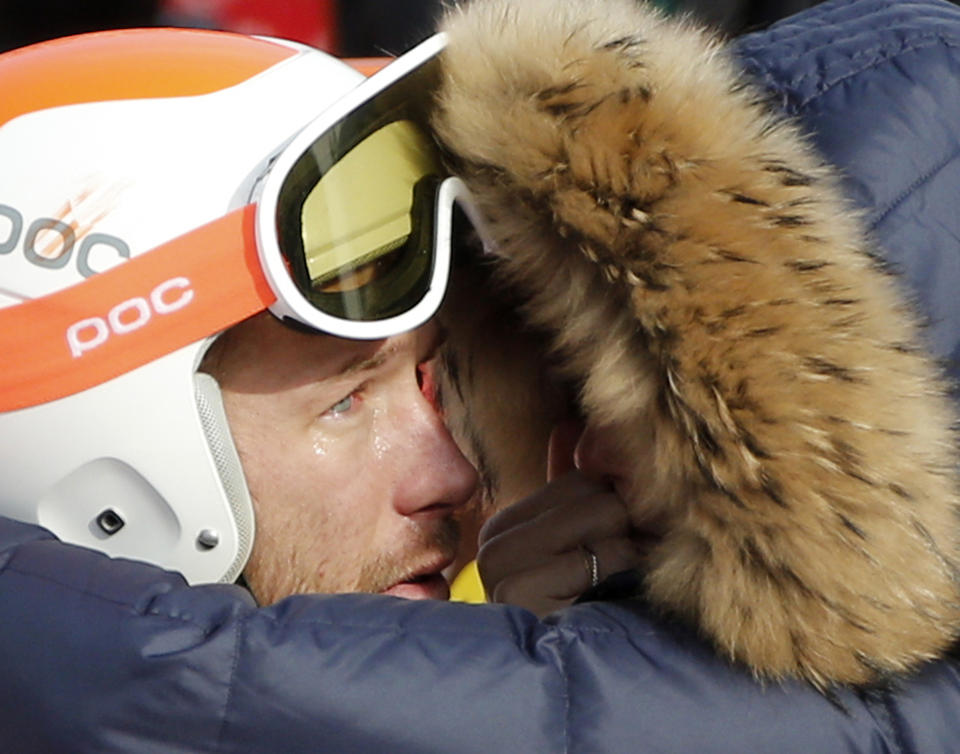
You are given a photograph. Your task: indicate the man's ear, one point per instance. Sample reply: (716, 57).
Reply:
(563, 442)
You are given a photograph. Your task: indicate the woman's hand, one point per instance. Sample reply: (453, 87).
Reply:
(536, 553)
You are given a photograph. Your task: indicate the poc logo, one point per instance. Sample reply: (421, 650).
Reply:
(49, 242)
(129, 316)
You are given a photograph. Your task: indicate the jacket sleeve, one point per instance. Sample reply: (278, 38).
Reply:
(102, 655)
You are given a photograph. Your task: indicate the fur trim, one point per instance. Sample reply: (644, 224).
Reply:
(701, 280)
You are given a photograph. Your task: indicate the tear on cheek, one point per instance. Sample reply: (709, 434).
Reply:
(320, 446)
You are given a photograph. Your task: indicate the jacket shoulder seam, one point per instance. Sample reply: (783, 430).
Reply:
(150, 611)
(875, 57)
(567, 701)
(72, 587)
(880, 701)
(917, 183)
(458, 631)
(238, 633)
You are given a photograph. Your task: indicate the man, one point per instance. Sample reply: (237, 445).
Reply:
(333, 446)
(141, 662)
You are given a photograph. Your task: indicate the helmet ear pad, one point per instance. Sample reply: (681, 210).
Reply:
(106, 502)
(107, 499)
(142, 467)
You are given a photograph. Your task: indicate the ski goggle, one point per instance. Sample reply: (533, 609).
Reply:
(356, 217)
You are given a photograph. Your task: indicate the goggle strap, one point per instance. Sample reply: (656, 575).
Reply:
(158, 302)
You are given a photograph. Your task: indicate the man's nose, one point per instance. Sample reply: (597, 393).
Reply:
(437, 478)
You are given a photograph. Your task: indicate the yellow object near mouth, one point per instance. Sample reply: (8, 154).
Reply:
(467, 587)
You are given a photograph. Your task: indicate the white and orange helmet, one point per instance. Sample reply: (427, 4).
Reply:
(156, 187)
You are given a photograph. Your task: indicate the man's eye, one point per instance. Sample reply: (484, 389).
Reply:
(342, 406)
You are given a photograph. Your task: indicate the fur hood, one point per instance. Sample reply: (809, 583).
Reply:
(676, 255)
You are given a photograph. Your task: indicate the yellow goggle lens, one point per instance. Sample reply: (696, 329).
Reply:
(360, 210)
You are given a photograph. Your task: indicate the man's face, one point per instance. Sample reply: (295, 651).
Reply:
(353, 475)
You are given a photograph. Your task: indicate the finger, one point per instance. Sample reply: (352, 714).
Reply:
(555, 531)
(541, 590)
(563, 441)
(614, 554)
(565, 524)
(558, 583)
(570, 486)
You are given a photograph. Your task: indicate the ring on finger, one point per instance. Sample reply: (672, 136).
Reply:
(591, 565)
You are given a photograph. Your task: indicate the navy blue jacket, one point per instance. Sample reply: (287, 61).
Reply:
(114, 656)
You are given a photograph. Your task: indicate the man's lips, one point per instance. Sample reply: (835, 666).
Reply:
(425, 584)
(432, 587)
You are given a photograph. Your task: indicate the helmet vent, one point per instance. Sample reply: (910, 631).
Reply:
(224, 453)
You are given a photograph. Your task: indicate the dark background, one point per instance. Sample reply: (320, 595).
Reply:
(358, 28)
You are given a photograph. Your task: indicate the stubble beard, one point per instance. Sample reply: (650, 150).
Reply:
(383, 570)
